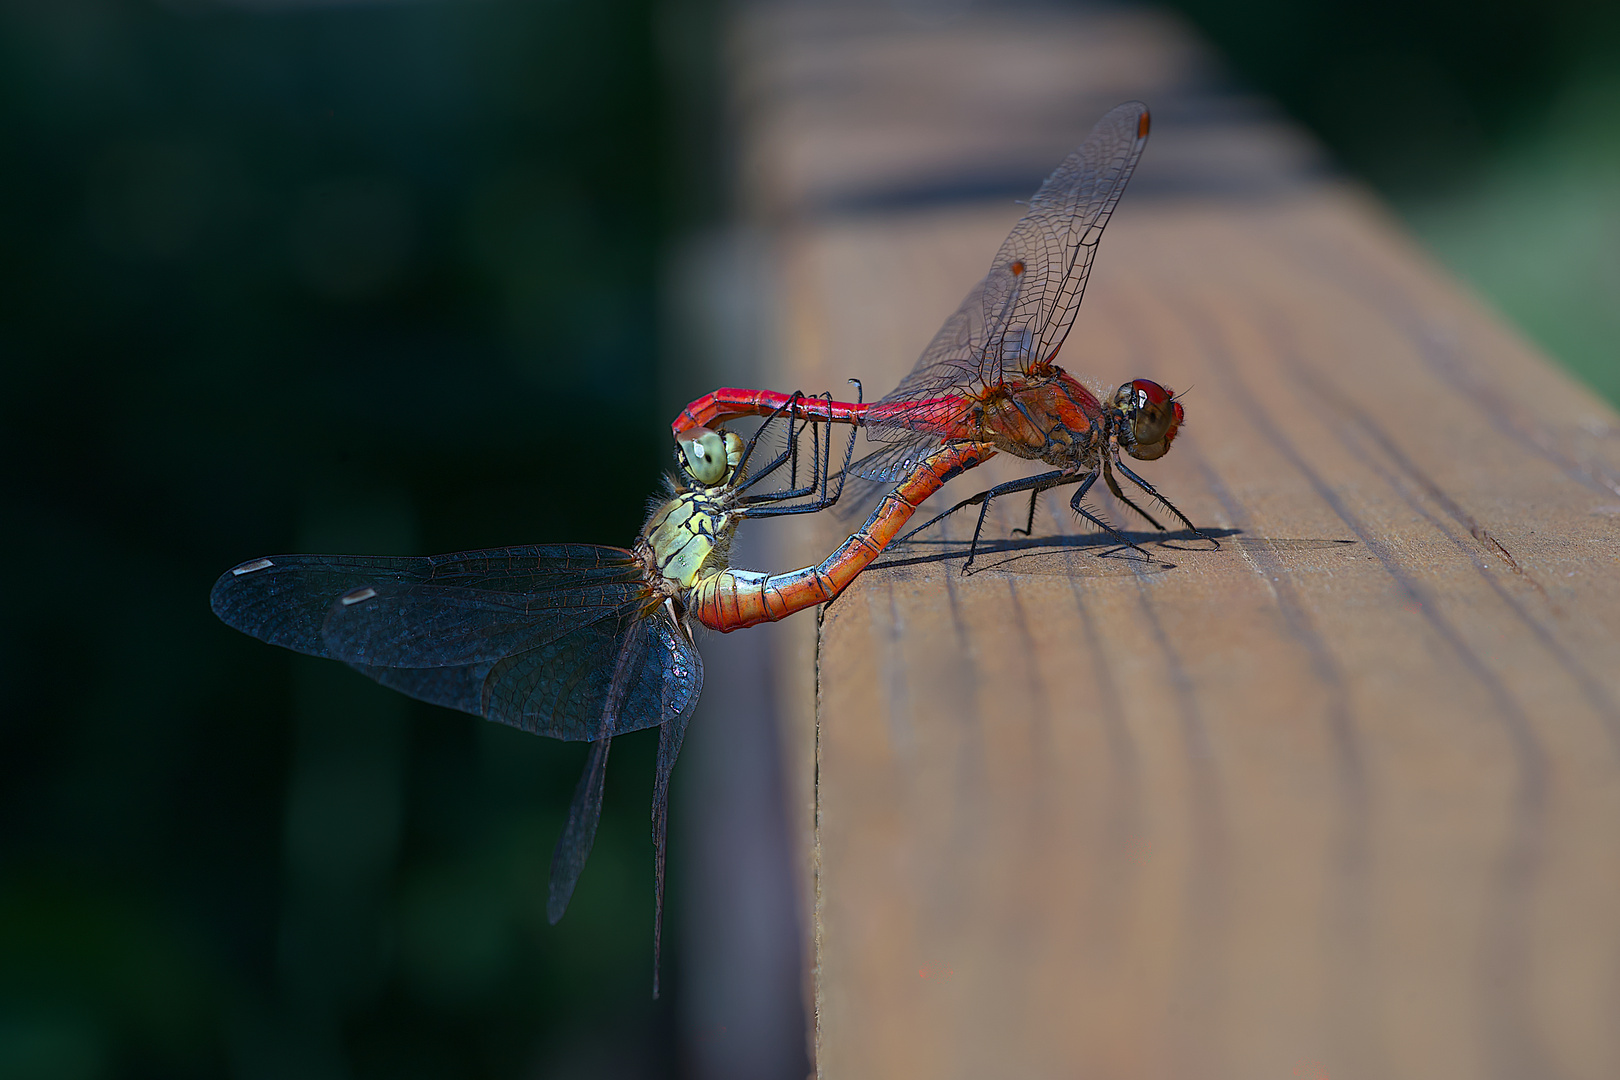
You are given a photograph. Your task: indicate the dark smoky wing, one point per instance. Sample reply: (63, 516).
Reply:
(670, 737)
(459, 688)
(534, 567)
(654, 644)
(285, 599)
(394, 625)
(562, 687)
(579, 831)
(1039, 276)
(525, 636)
(681, 681)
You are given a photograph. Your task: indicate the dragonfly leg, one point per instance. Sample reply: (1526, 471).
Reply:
(1113, 485)
(820, 455)
(733, 599)
(1077, 503)
(937, 518)
(789, 455)
(1164, 502)
(820, 493)
(983, 497)
(1033, 484)
(1029, 526)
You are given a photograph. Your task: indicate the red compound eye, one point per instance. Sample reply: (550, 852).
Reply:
(1153, 392)
(1154, 416)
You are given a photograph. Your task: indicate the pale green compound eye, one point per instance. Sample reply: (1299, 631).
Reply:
(705, 456)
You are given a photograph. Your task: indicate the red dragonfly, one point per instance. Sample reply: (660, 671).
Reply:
(988, 383)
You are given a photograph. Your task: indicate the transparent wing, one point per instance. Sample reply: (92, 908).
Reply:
(891, 462)
(949, 364)
(526, 636)
(285, 599)
(579, 832)
(1022, 310)
(1039, 276)
(670, 737)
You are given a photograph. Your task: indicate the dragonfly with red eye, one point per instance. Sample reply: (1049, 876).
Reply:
(988, 379)
(573, 641)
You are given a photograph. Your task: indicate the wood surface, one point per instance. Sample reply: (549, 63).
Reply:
(1340, 799)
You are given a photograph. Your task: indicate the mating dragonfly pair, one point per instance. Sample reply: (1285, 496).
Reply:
(584, 643)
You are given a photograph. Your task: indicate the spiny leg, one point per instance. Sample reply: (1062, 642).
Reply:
(829, 496)
(1035, 485)
(753, 441)
(1029, 526)
(1055, 478)
(1166, 503)
(821, 490)
(1076, 504)
(1113, 485)
(789, 456)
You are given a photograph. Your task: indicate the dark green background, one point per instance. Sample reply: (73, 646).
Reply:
(1492, 127)
(374, 278)
(383, 278)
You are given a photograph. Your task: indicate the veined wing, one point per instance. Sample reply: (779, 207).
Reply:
(949, 365)
(1021, 311)
(1038, 278)
(284, 599)
(526, 636)
(670, 737)
(579, 831)
(564, 688)
(889, 463)
(931, 402)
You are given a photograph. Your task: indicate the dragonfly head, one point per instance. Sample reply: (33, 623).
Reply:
(709, 457)
(1149, 417)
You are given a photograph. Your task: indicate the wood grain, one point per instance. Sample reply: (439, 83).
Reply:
(1339, 799)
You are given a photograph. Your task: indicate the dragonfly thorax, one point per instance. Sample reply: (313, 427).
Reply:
(687, 534)
(1051, 417)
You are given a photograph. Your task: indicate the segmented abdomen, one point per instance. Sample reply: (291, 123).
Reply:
(733, 599)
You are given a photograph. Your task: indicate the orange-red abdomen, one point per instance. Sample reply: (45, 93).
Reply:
(733, 599)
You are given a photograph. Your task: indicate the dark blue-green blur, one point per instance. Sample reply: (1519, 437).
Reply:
(376, 277)
(1491, 126)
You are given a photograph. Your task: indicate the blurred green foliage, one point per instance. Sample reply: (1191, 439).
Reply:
(369, 278)
(1492, 127)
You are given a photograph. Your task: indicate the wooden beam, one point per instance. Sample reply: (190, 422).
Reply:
(1339, 799)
